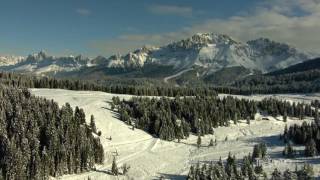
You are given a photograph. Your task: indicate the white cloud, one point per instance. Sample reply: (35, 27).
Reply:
(83, 12)
(171, 10)
(291, 21)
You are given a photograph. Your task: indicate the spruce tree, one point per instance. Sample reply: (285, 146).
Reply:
(211, 142)
(285, 117)
(288, 151)
(248, 120)
(199, 141)
(114, 168)
(93, 124)
(276, 175)
(306, 172)
(310, 148)
(289, 175)
(125, 169)
(316, 117)
(41, 139)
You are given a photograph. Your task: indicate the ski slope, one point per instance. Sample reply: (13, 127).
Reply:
(152, 158)
(166, 79)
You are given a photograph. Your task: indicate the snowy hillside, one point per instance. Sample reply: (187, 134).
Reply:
(151, 158)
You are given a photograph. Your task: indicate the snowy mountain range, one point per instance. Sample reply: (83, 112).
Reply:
(208, 52)
(41, 63)
(214, 52)
(10, 60)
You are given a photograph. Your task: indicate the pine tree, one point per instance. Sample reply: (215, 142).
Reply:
(93, 124)
(316, 117)
(263, 148)
(259, 151)
(288, 175)
(114, 168)
(258, 169)
(199, 141)
(288, 151)
(310, 148)
(112, 106)
(248, 120)
(41, 139)
(256, 152)
(211, 142)
(306, 172)
(276, 175)
(125, 169)
(285, 117)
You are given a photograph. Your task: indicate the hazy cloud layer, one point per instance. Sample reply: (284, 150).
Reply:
(293, 21)
(83, 12)
(171, 10)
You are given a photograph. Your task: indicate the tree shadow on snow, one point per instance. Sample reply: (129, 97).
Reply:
(115, 114)
(170, 176)
(189, 144)
(113, 111)
(103, 171)
(271, 141)
(308, 160)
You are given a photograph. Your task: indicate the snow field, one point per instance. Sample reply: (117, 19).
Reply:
(151, 158)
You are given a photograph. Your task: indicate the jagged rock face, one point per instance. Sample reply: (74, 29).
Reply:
(273, 55)
(215, 51)
(133, 59)
(99, 60)
(198, 41)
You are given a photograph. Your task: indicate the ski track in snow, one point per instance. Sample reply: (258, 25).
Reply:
(151, 157)
(166, 79)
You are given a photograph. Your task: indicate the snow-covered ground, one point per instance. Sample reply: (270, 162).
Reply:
(151, 158)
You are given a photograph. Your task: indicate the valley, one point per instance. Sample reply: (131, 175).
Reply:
(160, 90)
(152, 158)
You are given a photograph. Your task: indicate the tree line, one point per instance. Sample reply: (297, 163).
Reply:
(304, 134)
(176, 118)
(38, 139)
(300, 82)
(315, 103)
(110, 86)
(247, 168)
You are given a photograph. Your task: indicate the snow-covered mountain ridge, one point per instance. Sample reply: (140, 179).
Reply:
(10, 60)
(41, 63)
(209, 51)
(216, 51)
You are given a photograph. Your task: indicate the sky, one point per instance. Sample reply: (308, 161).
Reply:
(107, 27)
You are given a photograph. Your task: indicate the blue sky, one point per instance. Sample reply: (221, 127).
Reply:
(105, 27)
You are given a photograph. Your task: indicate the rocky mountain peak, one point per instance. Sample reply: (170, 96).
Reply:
(200, 40)
(269, 46)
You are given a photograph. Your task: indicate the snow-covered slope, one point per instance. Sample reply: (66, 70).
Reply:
(41, 63)
(215, 51)
(152, 158)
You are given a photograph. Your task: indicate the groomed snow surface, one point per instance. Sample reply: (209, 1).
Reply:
(152, 158)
